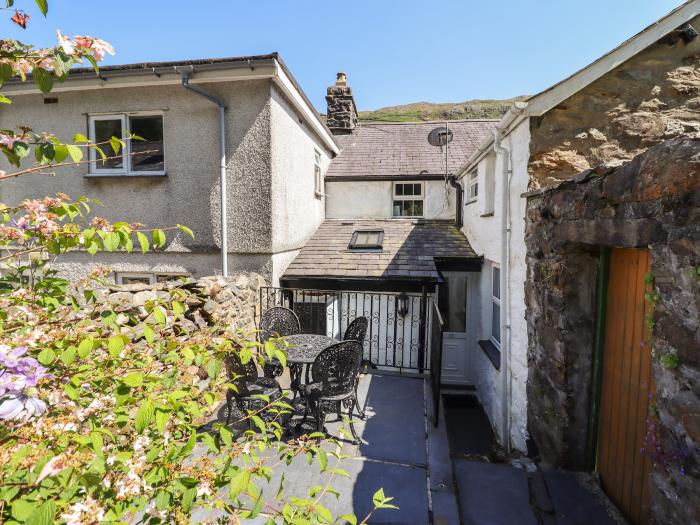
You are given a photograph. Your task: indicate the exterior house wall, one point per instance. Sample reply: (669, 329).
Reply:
(370, 199)
(270, 181)
(651, 97)
(483, 230)
(296, 210)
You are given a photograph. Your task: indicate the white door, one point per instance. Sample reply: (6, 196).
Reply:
(453, 301)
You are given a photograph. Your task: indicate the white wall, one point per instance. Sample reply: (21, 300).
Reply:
(373, 200)
(484, 233)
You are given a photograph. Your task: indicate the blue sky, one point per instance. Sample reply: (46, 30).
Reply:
(394, 51)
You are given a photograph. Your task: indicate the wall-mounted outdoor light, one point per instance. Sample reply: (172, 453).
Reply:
(402, 306)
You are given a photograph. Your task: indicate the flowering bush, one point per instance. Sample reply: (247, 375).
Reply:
(101, 407)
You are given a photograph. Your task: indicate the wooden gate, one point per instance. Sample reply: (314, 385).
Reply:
(626, 386)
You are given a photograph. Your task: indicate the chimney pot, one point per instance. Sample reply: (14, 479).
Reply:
(341, 79)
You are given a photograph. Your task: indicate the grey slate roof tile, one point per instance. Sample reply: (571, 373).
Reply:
(402, 149)
(409, 249)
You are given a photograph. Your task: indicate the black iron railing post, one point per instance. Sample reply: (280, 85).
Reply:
(421, 331)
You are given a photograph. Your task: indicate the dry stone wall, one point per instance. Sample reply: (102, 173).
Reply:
(651, 202)
(652, 97)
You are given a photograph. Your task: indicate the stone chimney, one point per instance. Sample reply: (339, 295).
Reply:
(342, 113)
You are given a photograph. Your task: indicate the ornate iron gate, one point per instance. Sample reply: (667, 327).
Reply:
(397, 336)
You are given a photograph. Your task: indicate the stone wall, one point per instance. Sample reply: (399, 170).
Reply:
(651, 202)
(652, 97)
(227, 302)
(341, 112)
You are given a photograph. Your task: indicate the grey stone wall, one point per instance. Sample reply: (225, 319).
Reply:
(341, 110)
(650, 98)
(652, 202)
(215, 300)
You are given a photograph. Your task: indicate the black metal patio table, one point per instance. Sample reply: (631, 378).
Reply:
(301, 354)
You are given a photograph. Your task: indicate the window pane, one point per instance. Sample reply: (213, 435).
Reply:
(149, 128)
(496, 285)
(136, 279)
(105, 130)
(496, 322)
(418, 208)
(417, 190)
(396, 209)
(476, 190)
(398, 189)
(361, 239)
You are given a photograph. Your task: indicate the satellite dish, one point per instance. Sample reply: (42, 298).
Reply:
(440, 137)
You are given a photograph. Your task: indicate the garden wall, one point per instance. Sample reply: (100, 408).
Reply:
(650, 202)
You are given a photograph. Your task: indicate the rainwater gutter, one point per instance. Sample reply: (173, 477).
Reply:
(507, 167)
(185, 76)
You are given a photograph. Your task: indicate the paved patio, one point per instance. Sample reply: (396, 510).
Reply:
(403, 453)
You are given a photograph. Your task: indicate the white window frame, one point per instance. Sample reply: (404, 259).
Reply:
(95, 157)
(395, 197)
(318, 174)
(119, 276)
(497, 301)
(473, 186)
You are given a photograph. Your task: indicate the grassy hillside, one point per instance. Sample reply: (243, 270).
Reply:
(418, 111)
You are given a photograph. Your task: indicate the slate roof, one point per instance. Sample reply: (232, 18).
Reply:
(402, 149)
(408, 251)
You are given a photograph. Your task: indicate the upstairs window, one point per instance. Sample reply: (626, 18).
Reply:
(408, 199)
(473, 188)
(139, 157)
(318, 178)
(366, 240)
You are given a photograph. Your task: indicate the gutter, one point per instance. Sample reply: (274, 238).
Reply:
(185, 76)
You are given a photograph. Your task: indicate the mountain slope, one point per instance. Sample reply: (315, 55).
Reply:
(469, 109)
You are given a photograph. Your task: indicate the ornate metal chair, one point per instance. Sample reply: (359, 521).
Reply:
(277, 321)
(248, 384)
(356, 331)
(334, 372)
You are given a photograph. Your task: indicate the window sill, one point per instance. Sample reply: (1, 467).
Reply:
(466, 203)
(124, 175)
(489, 214)
(492, 352)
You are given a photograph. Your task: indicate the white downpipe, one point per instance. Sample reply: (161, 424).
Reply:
(505, 293)
(222, 153)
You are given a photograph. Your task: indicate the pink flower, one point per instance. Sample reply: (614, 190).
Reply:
(54, 466)
(65, 43)
(8, 141)
(99, 48)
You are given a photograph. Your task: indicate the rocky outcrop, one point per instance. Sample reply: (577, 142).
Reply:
(650, 202)
(652, 97)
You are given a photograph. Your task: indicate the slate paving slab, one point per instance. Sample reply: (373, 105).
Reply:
(573, 503)
(493, 494)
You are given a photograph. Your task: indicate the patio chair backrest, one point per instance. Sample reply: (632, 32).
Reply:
(240, 374)
(337, 367)
(357, 330)
(278, 321)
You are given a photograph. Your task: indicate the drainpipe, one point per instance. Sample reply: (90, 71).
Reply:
(458, 201)
(506, 378)
(185, 75)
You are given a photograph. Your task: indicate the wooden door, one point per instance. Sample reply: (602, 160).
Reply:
(626, 386)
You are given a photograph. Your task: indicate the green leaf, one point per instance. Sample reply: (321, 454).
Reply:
(134, 379)
(43, 6)
(178, 309)
(43, 515)
(350, 518)
(226, 436)
(60, 152)
(4, 99)
(46, 356)
(75, 152)
(149, 334)
(213, 368)
(159, 315)
(162, 418)
(381, 501)
(158, 238)
(188, 498)
(111, 241)
(22, 509)
(186, 230)
(80, 139)
(144, 415)
(238, 483)
(115, 345)
(43, 79)
(116, 144)
(68, 355)
(143, 241)
(322, 459)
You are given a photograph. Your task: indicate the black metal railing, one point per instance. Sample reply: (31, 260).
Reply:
(435, 358)
(398, 333)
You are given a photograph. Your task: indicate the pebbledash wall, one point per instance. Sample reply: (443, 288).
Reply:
(372, 199)
(270, 154)
(650, 202)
